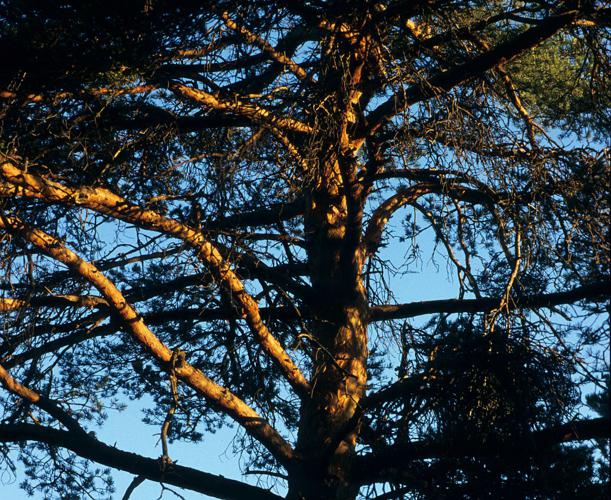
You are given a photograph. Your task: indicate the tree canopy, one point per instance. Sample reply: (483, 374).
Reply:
(222, 208)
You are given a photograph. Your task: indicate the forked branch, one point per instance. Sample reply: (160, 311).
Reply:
(134, 324)
(19, 183)
(446, 80)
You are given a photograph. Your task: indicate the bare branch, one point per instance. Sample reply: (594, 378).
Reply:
(401, 311)
(133, 323)
(177, 475)
(106, 202)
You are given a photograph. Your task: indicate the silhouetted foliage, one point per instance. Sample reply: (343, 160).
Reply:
(222, 209)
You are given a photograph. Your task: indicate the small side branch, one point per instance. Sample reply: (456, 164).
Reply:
(265, 47)
(137, 481)
(92, 449)
(134, 324)
(178, 358)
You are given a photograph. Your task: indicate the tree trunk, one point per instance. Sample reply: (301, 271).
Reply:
(339, 337)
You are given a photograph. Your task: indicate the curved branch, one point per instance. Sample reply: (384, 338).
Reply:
(133, 323)
(104, 201)
(177, 475)
(406, 196)
(379, 218)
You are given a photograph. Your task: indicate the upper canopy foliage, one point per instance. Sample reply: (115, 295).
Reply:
(195, 208)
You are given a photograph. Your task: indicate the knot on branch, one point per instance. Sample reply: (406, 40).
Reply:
(165, 464)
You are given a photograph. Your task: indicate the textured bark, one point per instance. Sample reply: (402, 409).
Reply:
(339, 334)
(134, 324)
(310, 130)
(106, 202)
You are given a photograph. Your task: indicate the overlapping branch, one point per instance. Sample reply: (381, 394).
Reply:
(386, 312)
(257, 114)
(176, 475)
(446, 80)
(265, 47)
(19, 183)
(133, 323)
(376, 466)
(86, 445)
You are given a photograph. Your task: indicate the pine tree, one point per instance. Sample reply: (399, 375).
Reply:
(221, 207)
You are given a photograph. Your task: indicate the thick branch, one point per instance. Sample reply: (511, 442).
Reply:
(48, 405)
(10, 304)
(377, 313)
(262, 217)
(177, 475)
(106, 202)
(444, 81)
(380, 217)
(253, 112)
(592, 291)
(135, 326)
(399, 311)
(373, 467)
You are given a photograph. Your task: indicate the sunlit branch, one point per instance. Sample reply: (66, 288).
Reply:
(257, 114)
(98, 92)
(46, 404)
(106, 202)
(265, 47)
(134, 324)
(87, 301)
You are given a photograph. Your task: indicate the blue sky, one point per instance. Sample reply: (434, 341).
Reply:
(215, 453)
